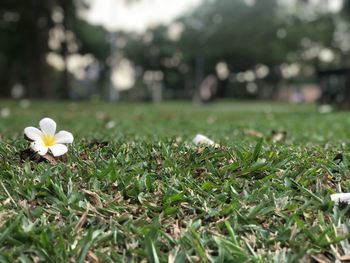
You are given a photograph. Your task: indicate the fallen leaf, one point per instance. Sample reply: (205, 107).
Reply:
(200, 150)
(277, 136)
(176, 230)
(195, 258)
(23, 203)
(159, 162)
(84, 156)
(94, 198)
(92, 258)
(344, 258)
(29, 154)
(319, 258)
(81, 222)
(102, 116)
(171, 258)
(35, 259)
(50, 158)
(6, 201)
(253, 133)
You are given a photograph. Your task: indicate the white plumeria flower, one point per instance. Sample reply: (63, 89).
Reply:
(201, 139)
(47, 138)
(341, 198)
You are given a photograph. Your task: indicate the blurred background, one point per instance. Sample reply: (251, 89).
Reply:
(156, 50)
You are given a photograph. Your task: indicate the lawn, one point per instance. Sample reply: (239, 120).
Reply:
(134, 188)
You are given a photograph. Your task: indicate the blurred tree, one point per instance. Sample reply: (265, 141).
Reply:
(27, 27)
(242, 34)
(346, 7)
(24, 34)
(94, 40)
(155, 52)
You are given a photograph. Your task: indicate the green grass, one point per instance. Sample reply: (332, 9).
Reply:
(150, 195)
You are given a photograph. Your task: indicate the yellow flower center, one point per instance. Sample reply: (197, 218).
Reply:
(49, 140)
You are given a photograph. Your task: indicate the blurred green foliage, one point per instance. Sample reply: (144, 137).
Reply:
(241, 35)
(26, 29)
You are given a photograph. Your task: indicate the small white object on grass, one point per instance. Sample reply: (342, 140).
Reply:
(47, 139)
(200, 139)
(5, 112)
(341, 198)
(110, 124)
(325, 108)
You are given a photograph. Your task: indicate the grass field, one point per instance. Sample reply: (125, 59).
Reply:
(141, 191)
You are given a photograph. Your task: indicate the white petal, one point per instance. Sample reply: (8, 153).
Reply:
(201, 139)
(38, 147)
(341, 198)
(64, 137)
(58, 149)
(33, 133)
(48, 126)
